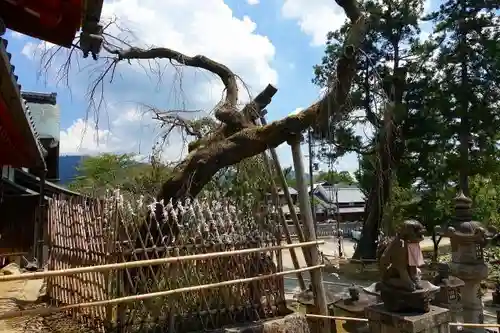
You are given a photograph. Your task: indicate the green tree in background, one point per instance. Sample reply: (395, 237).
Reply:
(461, 95)
(335, 177)
(377, 101)
(99, 174)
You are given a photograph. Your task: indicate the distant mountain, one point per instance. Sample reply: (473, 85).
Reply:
(68, 165)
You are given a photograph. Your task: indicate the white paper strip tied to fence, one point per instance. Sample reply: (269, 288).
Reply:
(118, 229)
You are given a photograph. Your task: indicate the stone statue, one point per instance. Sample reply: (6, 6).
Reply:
(399, 258)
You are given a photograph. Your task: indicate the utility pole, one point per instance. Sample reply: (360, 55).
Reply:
(311, 180)
(338, 220)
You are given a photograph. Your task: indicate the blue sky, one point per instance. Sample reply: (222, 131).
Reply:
(271, 41)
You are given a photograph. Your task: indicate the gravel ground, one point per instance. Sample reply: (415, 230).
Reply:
(23, 295)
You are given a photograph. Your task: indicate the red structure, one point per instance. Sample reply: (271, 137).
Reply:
(23, 226)
(19, 144)
(55, 21)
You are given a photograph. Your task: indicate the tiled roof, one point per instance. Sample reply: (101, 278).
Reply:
(37, 97)
(349, 194)
(15, 80)
(4, 43)
(3, 48)
(33, 127)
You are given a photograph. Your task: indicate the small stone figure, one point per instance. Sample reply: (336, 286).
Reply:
(399, 259)
(353, 293)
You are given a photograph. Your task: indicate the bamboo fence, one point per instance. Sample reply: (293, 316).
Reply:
(140, 243)
(76, 239)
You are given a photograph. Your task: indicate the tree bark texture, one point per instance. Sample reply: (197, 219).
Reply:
(388, 158)
(240, 138)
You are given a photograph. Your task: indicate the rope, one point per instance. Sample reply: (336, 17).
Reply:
(127, 299)
(150, 262)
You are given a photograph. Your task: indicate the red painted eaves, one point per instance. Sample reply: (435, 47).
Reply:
(54, 21)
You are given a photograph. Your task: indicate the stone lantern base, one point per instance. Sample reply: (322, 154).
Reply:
(382, 321)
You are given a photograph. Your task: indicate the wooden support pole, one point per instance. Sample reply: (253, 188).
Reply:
(281, 216)
(307, 221)
(288, 197)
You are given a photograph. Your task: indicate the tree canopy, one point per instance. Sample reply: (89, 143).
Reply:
(431, 104)
(108, 172)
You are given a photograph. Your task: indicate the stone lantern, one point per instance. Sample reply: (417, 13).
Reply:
(467, 239)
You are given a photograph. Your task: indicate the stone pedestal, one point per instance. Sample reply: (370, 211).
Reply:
(354, 308)
(449, 295)
(306, 299)
(382, 321)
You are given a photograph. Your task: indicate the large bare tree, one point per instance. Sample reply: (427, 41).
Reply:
(237, 135)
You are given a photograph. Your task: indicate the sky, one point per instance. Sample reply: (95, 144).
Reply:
(266, 41)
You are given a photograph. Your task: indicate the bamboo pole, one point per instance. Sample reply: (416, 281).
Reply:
(474, 325)
(336, 317)
(310, 234)
(150, 262)
(365, 320)
(127, 299)
(286, 192)
(284, 225)
(13, 254)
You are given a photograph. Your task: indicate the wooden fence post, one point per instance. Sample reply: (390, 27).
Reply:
(281, 217)
(288, 197)
(310, 235)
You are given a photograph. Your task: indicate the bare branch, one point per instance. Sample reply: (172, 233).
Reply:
(227, 113)
(247, 117)
(171, 120)
(237, 137)
(191, 175)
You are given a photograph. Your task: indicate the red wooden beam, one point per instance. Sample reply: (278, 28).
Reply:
(12, 145)
(55, 21)
(13, 118)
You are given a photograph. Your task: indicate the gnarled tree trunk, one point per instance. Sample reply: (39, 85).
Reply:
(239, 138)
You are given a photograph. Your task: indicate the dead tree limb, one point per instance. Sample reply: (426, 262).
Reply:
(250, 112)
(191, 175)
(227, 113)
(238, 137)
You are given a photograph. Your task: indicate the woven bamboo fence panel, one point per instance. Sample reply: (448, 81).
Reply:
(114, 230)
(77, 239)
(189, 228)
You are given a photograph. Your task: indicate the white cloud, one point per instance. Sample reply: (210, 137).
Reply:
(315, 18)
(82, 137)
(186, 27)
(133, 132)
(189, 26)
(253, 2)
(30, 49)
